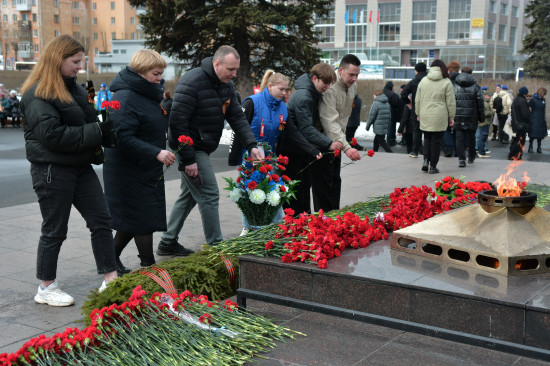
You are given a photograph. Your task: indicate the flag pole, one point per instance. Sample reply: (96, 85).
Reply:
(370, 31)
(378, 36)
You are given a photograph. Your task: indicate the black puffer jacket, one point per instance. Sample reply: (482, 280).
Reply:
(470, 108)
(521, 116)
(303, 112)
(61, 133)
(411, 88)
(394, 101)
(201, 104)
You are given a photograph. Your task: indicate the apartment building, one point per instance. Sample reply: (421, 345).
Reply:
(29, 25)
(485, 34)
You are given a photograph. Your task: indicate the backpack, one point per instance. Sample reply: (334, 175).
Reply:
(497, 104)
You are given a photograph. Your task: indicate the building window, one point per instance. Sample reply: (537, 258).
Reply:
(325, 26)
(123, 51)
(35, 33)
(76, 20)
(112, 5)
(5, 16)
(24, 16)
(423, 20)
(57, 33)
(112, 20)
(55, 3)
(4, 2)
(6, 35)
(390, 22)
(76, 35)
(515, 11)
(504, 9)
(56, 18)
(356, 23)
(132, 20)
(502, 32)
(94, 6)
(459, 19)
(13, 2)
(492, 6)
(490, 30)
(14, 18)
(76, 5)
(94, 21)
(35, 48)
(34, 18)
(95, 36)
(96, 50)
(33, 2)
(132, 35)
(113, 35)
(15, 34)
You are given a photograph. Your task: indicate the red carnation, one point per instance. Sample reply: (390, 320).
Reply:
(252, 185)
(459, 192)
(269, 245)
(437, 184)
(353, 142)
(283, 188)
(275, 177)
(446, 187)
(105, 104)
(280, 167)
(336, 153)
(115, 104)
(285, 177)
(263, 169)
(323, 262)
(370, 153)
(447, 179)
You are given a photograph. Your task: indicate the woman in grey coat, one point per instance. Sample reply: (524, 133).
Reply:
(379, 117)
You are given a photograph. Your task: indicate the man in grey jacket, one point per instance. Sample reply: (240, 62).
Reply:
(204, 98)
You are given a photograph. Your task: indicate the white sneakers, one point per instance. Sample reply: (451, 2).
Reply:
(53, 296)
(244, 232)
(103, 286)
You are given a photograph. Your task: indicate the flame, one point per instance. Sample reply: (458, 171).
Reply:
(507, 186)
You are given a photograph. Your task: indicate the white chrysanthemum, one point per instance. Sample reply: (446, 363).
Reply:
(235, 194)
(273, 198)
(257, 196)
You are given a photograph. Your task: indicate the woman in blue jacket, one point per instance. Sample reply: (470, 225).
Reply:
(104, 95)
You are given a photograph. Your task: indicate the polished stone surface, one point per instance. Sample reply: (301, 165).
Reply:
(382, 281)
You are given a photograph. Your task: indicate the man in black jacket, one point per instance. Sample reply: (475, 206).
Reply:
(521, 122)
(204, 98)
(470, 110)
(420, 71)
(396, 111)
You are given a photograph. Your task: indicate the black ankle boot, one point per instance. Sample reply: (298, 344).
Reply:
(425, 165)
(147, 261)
(530, 149)
(120, 269)
(539, 150)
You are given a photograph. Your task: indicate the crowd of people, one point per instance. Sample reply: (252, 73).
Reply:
(64, 136)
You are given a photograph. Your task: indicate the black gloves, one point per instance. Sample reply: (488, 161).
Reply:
(109, 138)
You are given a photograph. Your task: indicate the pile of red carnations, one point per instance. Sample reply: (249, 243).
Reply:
(317, 238)
(164, 329)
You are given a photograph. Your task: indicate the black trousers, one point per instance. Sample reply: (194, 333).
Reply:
(516, 146)
(59, 188)
(296, 170)
(461, 136)
(416, 135)
(379, 140)
(432, 146)
(502, 136)
(326, 183)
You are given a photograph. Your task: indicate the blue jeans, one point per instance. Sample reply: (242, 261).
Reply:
(59, 188)
(482, 135)
(207, 197)
(278, 217)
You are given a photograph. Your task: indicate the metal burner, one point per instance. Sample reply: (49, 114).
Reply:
(490, 201)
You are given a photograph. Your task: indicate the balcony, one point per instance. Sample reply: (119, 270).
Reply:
(24, 24)
(24, 54)
(23, 5)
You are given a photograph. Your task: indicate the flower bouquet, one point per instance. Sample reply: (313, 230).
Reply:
(261, 188)
(455, 187)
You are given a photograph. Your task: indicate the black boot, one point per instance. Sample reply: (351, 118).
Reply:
(147, 261)
(425, 165)
(539, 150)
(530, 150)
(120, 269)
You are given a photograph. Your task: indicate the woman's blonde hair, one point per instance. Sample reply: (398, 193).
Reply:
(47, 72)
(272, 77)
(145, 60)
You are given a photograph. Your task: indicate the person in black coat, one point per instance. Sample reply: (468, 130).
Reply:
(410, 90)
(204, 98)
(134, 193)
(470, 110)
(521, 121)
(14, 110)
(539, 128)
(166, 105)
(354, 121)
(396, 110)
(62, 139)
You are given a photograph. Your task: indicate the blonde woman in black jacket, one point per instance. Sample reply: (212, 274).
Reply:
(62, 139)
